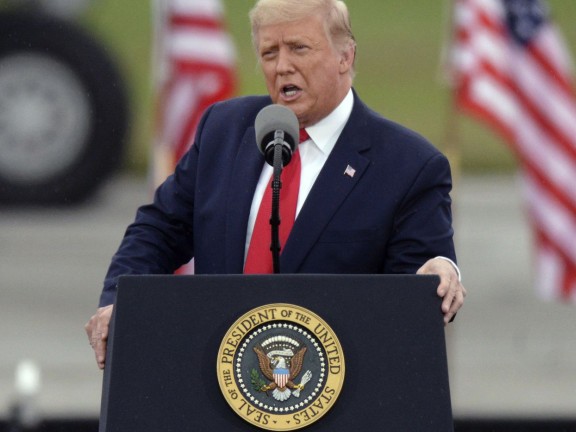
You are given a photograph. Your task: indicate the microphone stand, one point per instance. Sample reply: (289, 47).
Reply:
(275, 221)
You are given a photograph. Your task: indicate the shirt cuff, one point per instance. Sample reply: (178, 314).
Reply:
(453, 265)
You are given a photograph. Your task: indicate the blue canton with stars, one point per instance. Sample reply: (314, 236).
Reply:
(524, 18)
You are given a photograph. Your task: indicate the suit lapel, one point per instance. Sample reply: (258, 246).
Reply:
(329, 191)
(243, 180)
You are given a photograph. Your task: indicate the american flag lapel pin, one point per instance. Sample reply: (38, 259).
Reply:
(349, 171)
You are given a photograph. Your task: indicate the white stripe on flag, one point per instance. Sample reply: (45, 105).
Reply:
(202, 45)
(208, 8)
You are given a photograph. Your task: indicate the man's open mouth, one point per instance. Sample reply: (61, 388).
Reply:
(290, 90)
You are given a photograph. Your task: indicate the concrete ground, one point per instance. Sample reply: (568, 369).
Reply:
(510, 354)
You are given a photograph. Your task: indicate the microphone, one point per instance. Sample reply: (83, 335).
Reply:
(276, 124)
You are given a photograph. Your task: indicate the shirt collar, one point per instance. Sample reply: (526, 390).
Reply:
(325, 133)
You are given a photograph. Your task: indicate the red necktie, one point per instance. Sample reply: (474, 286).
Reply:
(259, 257)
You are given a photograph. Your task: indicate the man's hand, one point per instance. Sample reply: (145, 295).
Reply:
(97, 331)
(450, 288)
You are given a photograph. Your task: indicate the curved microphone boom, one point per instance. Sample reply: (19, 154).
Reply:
(276, 124)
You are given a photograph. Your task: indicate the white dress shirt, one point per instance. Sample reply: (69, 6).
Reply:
(313, 154)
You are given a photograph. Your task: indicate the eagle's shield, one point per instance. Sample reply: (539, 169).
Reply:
(281, 376)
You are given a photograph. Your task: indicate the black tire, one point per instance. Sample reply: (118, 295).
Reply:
(63, 111)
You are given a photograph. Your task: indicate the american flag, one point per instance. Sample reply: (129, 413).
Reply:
(194, 67)
(349, 171)
(513, 70)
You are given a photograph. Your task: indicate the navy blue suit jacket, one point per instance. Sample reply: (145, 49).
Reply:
(390, 217)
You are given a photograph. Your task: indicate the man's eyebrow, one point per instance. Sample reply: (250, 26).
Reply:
(268, 44)
(296, 39)
(289, 40)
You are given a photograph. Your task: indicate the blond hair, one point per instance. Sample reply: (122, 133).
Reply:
(336, 22)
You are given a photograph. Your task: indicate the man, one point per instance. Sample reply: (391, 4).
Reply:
(373, 196)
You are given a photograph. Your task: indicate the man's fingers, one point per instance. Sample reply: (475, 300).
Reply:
(445, 289)
(453, 301)
(448, 295)
(97, 332)
(450, 288)
(98, 343)
(100, 352)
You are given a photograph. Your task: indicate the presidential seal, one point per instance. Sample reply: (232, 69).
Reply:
(280, 367)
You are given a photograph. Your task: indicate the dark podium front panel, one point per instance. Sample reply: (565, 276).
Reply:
(160, 374)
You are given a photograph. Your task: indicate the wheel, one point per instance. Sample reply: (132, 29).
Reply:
(63, 111)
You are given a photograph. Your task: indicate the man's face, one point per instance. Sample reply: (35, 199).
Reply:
(303, 71)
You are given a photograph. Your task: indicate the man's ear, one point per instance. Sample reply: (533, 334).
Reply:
(347, 58)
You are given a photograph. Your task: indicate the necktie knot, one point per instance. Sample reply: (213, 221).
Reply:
(304, 135)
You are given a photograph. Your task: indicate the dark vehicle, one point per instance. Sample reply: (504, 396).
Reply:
(63, 105)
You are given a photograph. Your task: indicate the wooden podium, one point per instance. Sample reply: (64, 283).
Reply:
(168, 331)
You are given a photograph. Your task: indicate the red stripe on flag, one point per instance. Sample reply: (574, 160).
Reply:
(553, 72)
(196, 22)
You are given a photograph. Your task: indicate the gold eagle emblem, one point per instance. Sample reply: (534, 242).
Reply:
(281, 367)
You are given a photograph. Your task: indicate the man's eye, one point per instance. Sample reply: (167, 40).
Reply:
(268, 54)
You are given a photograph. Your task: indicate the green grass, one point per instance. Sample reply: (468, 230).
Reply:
(399, 70)
(125, 28)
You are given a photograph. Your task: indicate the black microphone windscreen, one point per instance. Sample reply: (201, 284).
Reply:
(276, 117)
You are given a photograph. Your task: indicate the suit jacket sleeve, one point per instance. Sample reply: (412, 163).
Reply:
(422, 226)
(160, 239)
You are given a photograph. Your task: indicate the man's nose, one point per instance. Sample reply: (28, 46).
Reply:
(285, 64)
